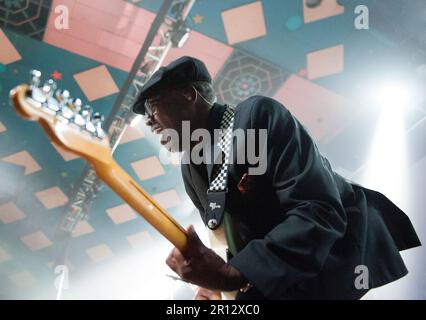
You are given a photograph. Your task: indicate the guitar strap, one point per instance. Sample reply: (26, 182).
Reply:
(216, 193)
(223, 239)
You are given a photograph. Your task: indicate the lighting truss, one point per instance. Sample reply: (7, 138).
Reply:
(160, 39)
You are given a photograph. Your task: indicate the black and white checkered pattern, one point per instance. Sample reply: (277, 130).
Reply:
(220, 171)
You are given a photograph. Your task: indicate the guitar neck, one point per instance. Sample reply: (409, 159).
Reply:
(120, 182)
(96, 151)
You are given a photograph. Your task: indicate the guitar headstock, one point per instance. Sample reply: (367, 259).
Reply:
(68, 122)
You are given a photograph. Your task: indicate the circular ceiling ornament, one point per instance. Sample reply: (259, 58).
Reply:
(245, 85)
(244, 75)
(27, 17)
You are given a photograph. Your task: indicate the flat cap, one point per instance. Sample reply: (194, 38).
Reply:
(178, 73)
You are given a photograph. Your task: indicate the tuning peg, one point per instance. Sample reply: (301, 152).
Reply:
(94, 123)
(66, 111)
(48, 89)
(90, 127)
(75, 104)
(49, 86)
(86, 112)
(38, 95)
(97, 120)
(62, 95)
(83, 113)
(79, 120)
(53, 104)
(35, 76)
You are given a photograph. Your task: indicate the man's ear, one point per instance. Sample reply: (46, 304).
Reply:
(190, 93)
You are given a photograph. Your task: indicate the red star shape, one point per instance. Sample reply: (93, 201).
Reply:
(56, 75)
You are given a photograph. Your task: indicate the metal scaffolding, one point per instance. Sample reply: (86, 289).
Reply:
(166, 31)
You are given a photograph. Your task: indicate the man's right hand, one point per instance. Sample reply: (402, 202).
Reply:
(206, 294)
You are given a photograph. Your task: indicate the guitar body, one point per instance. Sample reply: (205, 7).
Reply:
(219, 245)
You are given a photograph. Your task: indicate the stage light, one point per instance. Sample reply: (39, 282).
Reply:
(392, 96)
(421, 72)
(386, 167)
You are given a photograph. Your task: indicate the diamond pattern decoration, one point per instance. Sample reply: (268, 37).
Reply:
(36, 241)
(22, 279)
(4, 255)
(323, 112)
(325, 62)
(2, 127)
(140, 240)
(23, 158)
(9, 213)
(122, 213)
(96, 83)
(51, 264)
(110, 32)
(8, 52)
(212, 52)
(148, 168)
(327, 8)
(132, 134)
(168, 199)
(52, 198)
(99, 253)
(83, 227)
(244, 23)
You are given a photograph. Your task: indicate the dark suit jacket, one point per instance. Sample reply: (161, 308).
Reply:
(304, 227)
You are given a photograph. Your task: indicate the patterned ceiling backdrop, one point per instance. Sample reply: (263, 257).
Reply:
(312, 60)
(244, 75)
(28, 17)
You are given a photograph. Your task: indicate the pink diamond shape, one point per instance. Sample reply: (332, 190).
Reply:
(9, 212)
(52, 197)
